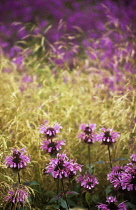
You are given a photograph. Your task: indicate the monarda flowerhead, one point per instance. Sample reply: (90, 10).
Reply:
(17, 196)
(50, 132)
(87, 181)
(88, 135)
(52, 147)
(111, 204)
(107, 137)
(128, 178)
(61, 167)
(18, 160)
(123, 178)
(115, 177)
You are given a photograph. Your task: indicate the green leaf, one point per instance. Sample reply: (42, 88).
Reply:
(91, 169)
(31, 183)
(108, 190)
(55, 198)
(100, 162)
(130, 205)
(88, 198)
(118, 159)
(71, 203)
(95, 198)
(63, 204)
(71, 193)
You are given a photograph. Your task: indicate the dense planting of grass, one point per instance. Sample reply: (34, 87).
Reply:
(70, 98)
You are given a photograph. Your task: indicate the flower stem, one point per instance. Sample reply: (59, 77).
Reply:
(57, 186)
(89, 155)
(110, 156)
(64, 193)
(18, 177)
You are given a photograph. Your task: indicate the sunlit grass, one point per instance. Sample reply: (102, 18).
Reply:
(69, 98)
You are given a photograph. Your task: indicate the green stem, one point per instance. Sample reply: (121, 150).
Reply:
(89, 155)
(18, 177)
(57, 186)
(110, 157)
(64, 194)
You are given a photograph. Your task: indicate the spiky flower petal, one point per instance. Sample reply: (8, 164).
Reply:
(111, 204)
(62, 166)
(50, 132)
(108, 136)
(52, 147)
(88, 135)
(87, 181)
(18, 195)
(18, 160)
(123, 178)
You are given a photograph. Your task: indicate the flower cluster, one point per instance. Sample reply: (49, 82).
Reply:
(111, 204)
(48, 145)
(88, 135)
(87, 181)
(61, 167)
(123, 177)
(50, 132)
(52, 147)
(18, 160)
(107, 137)
(17, 196)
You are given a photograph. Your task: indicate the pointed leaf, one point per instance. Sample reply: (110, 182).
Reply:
(31, 183)
(130, 205)
(108, 190)
(88, 198)
(118, 159)
(100, 162)
(71, 192)
(55, 198)
(63, 204)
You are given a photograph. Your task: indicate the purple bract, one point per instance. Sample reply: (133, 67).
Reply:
(17, 196)
(111, 204)
(50, 132)
(52, 147)
(88, 135)
(107, 137)
(87, 181)
(17, 160)
(123, 178)
(62, 167)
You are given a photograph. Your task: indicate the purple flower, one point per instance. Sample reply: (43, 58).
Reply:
(17, 196)
(17, 160)
(52, 147)
(133, 158)
(123, 178)
(87, 128)
(87, 181)
(27, 79)
(115, 176)
(50, 132)
(61, 167)
(18, 60)
(107, 137)
(128, 178)
(88, 136)
(111, 204)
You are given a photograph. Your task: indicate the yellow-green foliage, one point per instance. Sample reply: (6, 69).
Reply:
(69, 98)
